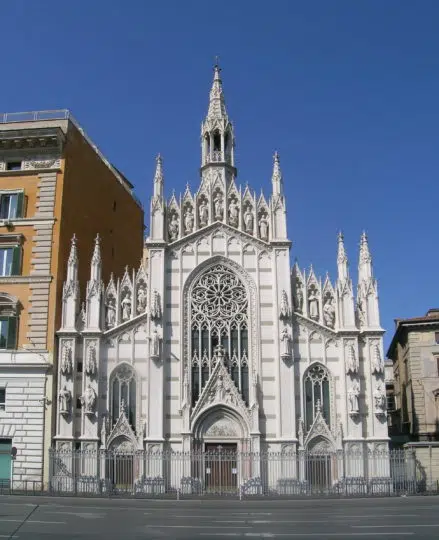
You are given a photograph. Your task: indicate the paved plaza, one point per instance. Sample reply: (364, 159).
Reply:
(38, 518)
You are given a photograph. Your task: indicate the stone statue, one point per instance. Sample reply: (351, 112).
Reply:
(88, 400)
(155, 344)
(188, 221)
(218, 204)
(299, 296)
(104, 431)
(220, 391)
(155, 308)
(284, 310)
(361, 312)
(263, 227)
(329, 312)
(377, 360)
(379, 397)
(313, 305)
(248, 220)
(111, 312)
(300, 433)
(352, 362)
(66, 361)
(353, 395)
(90, 363)
(219, 353)
(173, 227)
(203, 212)
(126, 306)
(233, 213)
(64, 398)
(141, 300)
(285, 340)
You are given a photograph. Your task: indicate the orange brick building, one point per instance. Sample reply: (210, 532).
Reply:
(54, 183)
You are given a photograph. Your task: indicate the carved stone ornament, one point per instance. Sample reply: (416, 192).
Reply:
(329, 312)
(222, 428)
(189, 220)
(42, 163)
(126, 306)
(110, 315)
(155, 345)
(353, 397)
(203, 212)
(263, 227)
(88, 400)
(66, 358)
(90, 361)
(377, 360)
(298, 297)
(64, 399)
(233, 213)
(284, 309)
(249, 220)
(361, 312)
(313, 304)
(352, 362)
(155, 308)
(173, 227)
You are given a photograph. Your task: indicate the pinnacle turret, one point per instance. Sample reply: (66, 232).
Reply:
(342, 259)
(217, 104)
(158, 177)
(276, 178)
(72, 265)
(96, 261)
(365, 260)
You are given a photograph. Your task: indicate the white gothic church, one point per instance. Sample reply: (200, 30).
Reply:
(216, 340)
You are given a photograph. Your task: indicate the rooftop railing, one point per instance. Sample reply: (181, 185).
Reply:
(35, 116)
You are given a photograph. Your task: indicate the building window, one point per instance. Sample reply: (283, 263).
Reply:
(390, 402)
(123, 394)
(219, 328)
(8, 321)
(11, 205)
(316, 394)
(437, 365)
(13, 166)
(10, 261)
(436, 338)
(2, 399)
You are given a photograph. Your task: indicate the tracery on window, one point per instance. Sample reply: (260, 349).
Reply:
(219, 316)
(316, 394)
(123, 394)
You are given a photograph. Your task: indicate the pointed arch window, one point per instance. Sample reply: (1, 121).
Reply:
(316, 394)
(219, 316)
(123, 394)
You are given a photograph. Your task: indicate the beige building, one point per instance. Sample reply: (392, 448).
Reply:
(54, 183)
(414, 351)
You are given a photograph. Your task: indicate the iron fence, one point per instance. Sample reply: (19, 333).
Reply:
(236, 474)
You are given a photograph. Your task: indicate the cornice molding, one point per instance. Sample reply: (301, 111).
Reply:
(25, 279)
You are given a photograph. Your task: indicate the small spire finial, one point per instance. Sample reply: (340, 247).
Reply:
(73, 257)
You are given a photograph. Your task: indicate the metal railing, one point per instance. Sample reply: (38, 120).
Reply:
(237, 474)
(35, 116)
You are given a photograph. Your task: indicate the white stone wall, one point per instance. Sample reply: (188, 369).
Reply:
(24, 376)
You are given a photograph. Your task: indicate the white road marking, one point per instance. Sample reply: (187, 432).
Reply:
(32, 521)
(407, 526)
(84, 515)
(195, 527)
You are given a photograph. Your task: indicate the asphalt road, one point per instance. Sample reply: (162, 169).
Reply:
(37, 518)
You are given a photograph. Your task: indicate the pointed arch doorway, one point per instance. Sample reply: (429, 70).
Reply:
(320, 465)
(120, 465)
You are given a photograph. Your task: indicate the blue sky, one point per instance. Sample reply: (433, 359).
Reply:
(347, 92)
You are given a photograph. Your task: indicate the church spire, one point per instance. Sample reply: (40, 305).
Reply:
(342, 259)
(158, 177)
(96, 261)
(365, 260)
(276, 178)
(217, 104)
(72, 265)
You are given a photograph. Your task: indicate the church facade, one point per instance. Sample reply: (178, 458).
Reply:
(216, 341)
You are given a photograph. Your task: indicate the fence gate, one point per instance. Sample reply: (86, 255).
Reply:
(220, 470)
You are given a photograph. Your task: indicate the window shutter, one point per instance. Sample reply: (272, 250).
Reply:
(20, 205)
(16, 261)
(12, 333)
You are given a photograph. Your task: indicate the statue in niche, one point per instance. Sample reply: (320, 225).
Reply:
(219, 353)
(203, 212)
(104, 431)
(301, 430)
(284, 306)
(352, 362)
(299, 296)
(233, 213)
(361, 312)
(220, 393)
(126, 306)
(248, 220)
(141, 300)
(285, 340)
(379, 397)
(66, 361)
(377, 360)
(111, 312)
(90, 363)
(218, 205)
(64, 398)
(329, 312)
(353, 395)
(173, 227)
(263, 227)
(88, 400)
(155, 309)
(188, 220)
(155, 344)
(313, 304)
